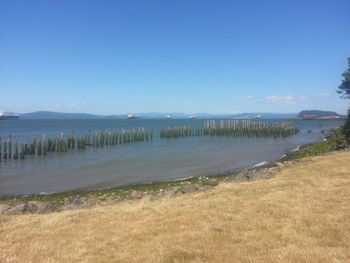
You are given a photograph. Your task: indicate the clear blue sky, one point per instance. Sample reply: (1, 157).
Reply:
(132, 56)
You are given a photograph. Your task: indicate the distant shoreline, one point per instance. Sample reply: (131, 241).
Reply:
(51, 115)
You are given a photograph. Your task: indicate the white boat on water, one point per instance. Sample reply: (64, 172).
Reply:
(131, 116)
(7, 116)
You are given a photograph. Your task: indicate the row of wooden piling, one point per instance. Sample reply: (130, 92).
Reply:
(39, 146)
(233, 128)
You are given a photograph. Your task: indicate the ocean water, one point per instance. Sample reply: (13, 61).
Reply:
(138, 163)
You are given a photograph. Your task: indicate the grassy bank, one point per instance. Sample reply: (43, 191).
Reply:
(299, 215)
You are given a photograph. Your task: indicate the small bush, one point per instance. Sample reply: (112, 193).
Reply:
(336, 141)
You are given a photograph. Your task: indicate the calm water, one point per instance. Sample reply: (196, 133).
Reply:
(144, 162)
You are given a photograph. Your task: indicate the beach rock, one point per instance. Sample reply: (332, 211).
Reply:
(169, 194)
(263, 174)
(69, 207)
(261, 164)
(137, 194)
(78, 201)
(4, 208)
(21, 209)
(238, 179)
(288, 163)
(243, 176)
(92, 201)
(280, 165)
(190, 188)
(115, 200)
(41, 207)
(81, 202)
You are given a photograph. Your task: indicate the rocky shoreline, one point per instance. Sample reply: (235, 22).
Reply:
(44, 204)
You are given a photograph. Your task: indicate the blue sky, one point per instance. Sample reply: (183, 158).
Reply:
(132, 56)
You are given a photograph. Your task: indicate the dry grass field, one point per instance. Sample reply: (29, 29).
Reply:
(300, 215)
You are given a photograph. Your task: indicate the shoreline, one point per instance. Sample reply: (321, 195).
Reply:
(259, 165)
(71, 200)
(80, 190)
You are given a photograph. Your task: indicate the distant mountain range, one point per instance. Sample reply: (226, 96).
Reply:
(174, 115)
(57, 115)
(318, 113)
(151, 115)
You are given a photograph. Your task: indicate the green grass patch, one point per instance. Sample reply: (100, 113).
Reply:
(336, 141)
(59, 199)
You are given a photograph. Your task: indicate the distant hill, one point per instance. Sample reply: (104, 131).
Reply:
(264, 115)
(318, 113)
(153, 115)
(57, 115)
(176, 115)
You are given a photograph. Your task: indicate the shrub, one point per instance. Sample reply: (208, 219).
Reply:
(336, 141)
